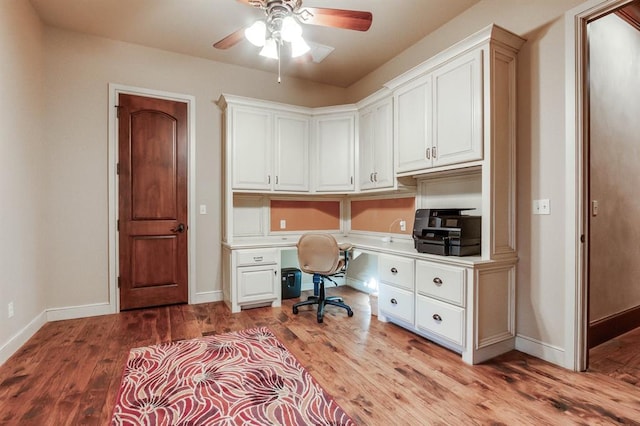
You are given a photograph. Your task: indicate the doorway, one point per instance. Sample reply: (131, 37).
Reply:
(115, 90)
(611, 154)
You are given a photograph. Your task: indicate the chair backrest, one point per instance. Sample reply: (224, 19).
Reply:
(319, 254)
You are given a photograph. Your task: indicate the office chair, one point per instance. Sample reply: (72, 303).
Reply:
(320, 255)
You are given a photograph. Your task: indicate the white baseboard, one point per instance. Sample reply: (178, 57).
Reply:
(21, 337)
(83, 311)
(208, 297)
(545, 351)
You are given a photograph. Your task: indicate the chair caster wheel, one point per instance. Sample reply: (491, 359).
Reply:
(295, 310)
(320, 320)
(350, 313)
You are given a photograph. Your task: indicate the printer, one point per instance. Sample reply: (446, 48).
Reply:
(446, 232)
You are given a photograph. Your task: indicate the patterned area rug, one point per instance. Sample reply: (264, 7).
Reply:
(246, 377)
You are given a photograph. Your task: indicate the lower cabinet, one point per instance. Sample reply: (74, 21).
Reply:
(252, 278)
(469, 308)
(396, 302)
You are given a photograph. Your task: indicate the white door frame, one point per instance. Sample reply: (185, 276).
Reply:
(576, 104)
(114, 91)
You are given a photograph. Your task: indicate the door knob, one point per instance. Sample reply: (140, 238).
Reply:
(179, 229)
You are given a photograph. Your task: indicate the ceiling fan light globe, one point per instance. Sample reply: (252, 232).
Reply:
(291, 30)
(299, 47)
(256, 33)
(270, 49)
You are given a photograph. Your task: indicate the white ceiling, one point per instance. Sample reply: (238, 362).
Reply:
(191, 27)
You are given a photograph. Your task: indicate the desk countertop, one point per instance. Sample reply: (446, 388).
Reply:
(398, 246)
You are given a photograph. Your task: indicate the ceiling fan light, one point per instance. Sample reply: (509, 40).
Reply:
(291, 30)
(299, 47)
(256, 33)
(270, 49)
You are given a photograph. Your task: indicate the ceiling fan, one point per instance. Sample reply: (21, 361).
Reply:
(282, 24)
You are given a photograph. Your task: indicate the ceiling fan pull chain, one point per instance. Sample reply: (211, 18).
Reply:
(279, 56)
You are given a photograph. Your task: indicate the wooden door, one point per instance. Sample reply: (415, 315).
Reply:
(152, 216)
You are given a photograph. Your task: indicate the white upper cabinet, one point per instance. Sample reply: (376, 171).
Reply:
(375, 146)
(438, 116)
(292, 152)
(251, 147)
(269, 149)
(334, 159)
(413, 128)
(457, 110)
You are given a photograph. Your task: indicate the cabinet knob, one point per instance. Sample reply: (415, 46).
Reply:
(375, 176)
(437, 281)
(433, 152)
(428, 154)
(394, 302)
(257, 258)
(371, 177)
(394, 271)
(437, 317)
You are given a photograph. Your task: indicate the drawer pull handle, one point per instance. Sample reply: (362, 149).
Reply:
(437, 281)
(394, 271)
(437, 317)
(394, 302)
(257, 258)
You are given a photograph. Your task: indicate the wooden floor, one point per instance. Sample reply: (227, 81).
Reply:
(69, 372)
(618, 358)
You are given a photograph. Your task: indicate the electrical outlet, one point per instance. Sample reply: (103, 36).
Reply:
(283, 224)
(203, 209)
(403, 225)
(10, 311)
(541, 206)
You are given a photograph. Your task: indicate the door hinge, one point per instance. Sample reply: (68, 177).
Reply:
(118, 225)
(117, 111)
(118, 282)
(118, 168)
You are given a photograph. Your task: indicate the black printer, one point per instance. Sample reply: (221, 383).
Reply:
(446, 232)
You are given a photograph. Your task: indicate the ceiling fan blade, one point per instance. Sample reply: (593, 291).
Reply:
(338, 18)
(230, 40)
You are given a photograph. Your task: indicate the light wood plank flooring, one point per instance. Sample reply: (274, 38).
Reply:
(69, 372)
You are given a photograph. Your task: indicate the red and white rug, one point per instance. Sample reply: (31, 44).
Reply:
(246, 377)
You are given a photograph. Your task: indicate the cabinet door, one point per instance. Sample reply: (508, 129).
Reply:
(257, 283)
(335, 147)
(366, 150)
(292, 152)
(383, 145)
(251, 142)
(412, 125)
(457, 110)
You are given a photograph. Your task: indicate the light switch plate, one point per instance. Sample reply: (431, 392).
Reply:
(283, 224)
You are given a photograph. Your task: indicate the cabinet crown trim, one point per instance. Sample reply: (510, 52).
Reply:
(490, 33)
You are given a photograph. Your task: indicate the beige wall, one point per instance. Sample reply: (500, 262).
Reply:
(614, 73)
(541, 147)
(78, 71)
(21, 158)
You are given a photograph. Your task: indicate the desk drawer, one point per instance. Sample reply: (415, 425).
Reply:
(396, 270)
(256, 257)
(442, 319)
(396, 302)
(442, 282)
